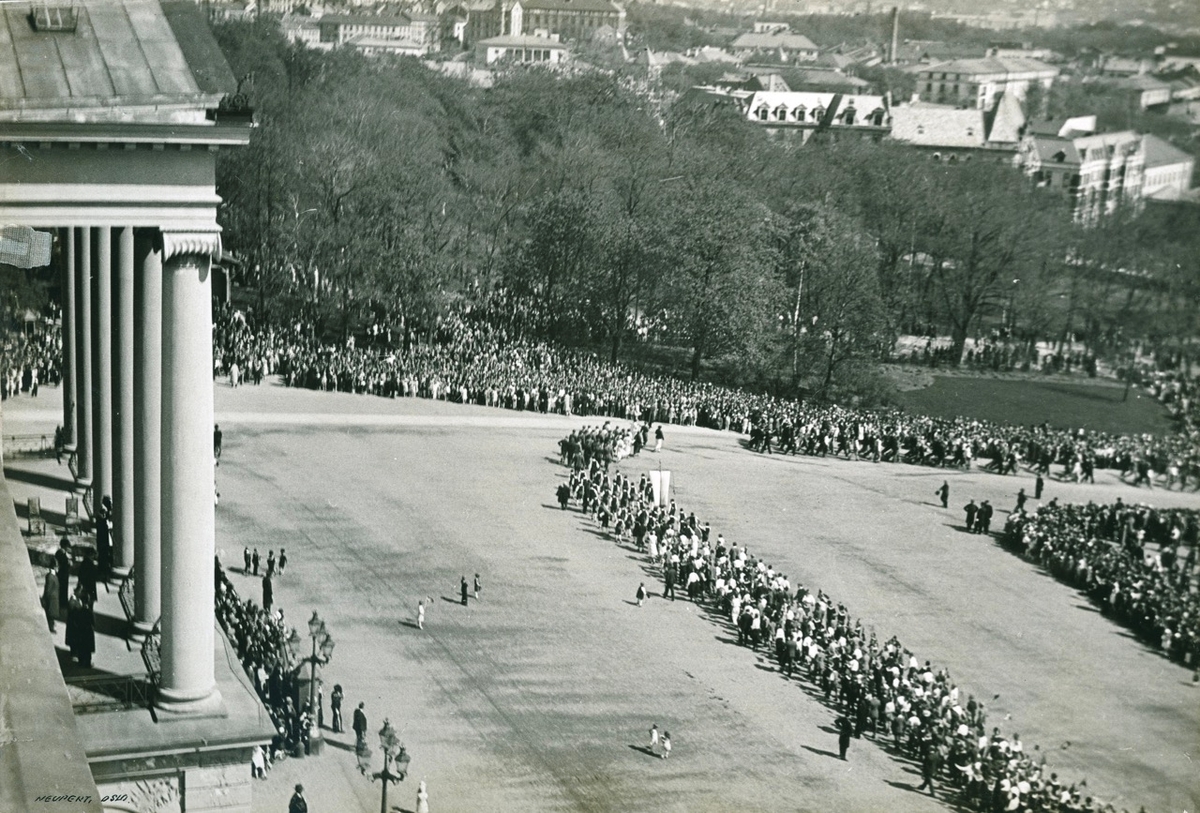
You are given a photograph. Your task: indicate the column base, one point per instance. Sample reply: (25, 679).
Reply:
(119, 572)
(69, 448)
(171, 705)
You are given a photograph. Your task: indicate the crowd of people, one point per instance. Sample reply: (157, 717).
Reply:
(878, 688)
(260, 636)
(1135, 562)
(488, 353)
(28, 360)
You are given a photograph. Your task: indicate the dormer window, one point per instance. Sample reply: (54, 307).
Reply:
(1060, 156)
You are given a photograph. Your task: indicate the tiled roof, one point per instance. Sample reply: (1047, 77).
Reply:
(1054, 150)
(938, 126)
(570, 5)
(1163, 153)
(765, 42)
(122, 52)
(1005, 121)
(521, 41)
(1143, 82)
(990, 65)
(390, 21)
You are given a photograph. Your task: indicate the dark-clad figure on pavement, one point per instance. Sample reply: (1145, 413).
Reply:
(465, 590)
(62, 558)
(360, 727)
(81, 634)
(1021, 498)
(1038, 487)
(86, 583)
(268, 592)
(50, 597)
(845, 732)
(971, 508)
(944, 493)
(254, 562)
(298, 803)
(104, 537)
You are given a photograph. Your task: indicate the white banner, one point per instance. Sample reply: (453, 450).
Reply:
(656, 485)
(666, 488)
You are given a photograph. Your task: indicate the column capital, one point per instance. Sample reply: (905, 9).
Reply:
(207, 243)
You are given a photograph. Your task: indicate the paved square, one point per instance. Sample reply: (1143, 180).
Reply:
(539, 695)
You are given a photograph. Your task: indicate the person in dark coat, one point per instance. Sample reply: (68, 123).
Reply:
(465, 590)
(1038, 486)
(845, 732)
(62, 558)
(86, 583)
(984, 522)
(104, 537)
(972, 509)
(50, 598)
(1021, 498)
(81, 632)
(246, 560)
(268, 592)
(298, 804)
(360, 727)
(254, 561)
(944, 493)
(564, 495)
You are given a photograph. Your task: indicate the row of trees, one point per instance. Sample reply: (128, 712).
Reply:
(649, 228)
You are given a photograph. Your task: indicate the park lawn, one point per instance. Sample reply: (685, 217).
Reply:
(1091, 406)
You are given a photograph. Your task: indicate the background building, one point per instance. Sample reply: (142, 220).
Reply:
(977, 82)
(1098, 172)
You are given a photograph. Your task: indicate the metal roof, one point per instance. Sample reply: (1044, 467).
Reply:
(122, 53)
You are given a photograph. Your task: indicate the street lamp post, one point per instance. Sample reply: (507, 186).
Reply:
(393, 754)
(322, 651)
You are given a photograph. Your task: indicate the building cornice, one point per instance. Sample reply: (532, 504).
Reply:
(219, 134)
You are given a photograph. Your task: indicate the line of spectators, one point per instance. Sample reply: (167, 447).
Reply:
(1105, 550)
(29, 360)
(879, 688)
(260, 638)
(486, 353)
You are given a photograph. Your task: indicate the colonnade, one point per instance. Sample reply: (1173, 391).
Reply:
(138, 416)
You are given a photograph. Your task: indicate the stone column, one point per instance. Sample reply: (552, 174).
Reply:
(68, 338)
(101, 364)
(147, 441)
(83, 356)
(122, 386)
(188, 521)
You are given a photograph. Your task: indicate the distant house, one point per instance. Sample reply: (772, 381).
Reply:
(802, 113)
(952, 134)
(1121, 66)
(1065, 127)
(409, 33)
(978, 82)
(1146, 91)
(521, 49)
(1098, 172)
(793, 47)
(1168, 170)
